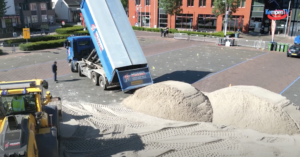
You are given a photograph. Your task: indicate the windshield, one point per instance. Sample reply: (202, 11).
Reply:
(16, 104)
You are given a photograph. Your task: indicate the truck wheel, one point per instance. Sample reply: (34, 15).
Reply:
(79, 71)
(95, 79)
(102, 83)
(72, 67)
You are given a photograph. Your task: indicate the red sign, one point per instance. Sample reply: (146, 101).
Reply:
(277, 14)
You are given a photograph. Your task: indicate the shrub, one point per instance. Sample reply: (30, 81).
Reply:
(41, 38)
(81, 33)
(68, 30)
(42, 45)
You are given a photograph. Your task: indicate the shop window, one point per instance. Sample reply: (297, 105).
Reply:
(235, 23)
(32, 6)
(190, 3)
(257, 9)
(144, 19)
(34, 18)
(202, 3)
(147, 2)
(207, 22)
(184, 21)
(137, 2)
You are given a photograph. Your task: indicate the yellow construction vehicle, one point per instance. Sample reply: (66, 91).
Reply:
(29, 122)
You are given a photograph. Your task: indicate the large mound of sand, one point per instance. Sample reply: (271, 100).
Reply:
(251, 107)
(171, 100)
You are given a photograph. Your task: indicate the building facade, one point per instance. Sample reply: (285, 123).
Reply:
(67, 10)
(196, 15)
(34, 13)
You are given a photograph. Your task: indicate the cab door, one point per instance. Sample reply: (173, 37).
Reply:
(68, 45)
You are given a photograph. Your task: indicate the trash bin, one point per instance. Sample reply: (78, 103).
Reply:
(236, 35)
(286, 47)
(278, 47)
(270, 46)
(231, 42)
(282, 47)
(274, 46)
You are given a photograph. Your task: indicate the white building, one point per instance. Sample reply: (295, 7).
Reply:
(67, 10)
(10, 19)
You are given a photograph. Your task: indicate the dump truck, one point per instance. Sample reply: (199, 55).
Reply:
(116, 58)
(29, 119)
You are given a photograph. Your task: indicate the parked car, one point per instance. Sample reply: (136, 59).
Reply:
(294, 50)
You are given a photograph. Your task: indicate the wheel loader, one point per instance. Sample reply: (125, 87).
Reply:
(29, 119)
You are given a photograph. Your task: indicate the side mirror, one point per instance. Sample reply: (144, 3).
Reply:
(45, 84)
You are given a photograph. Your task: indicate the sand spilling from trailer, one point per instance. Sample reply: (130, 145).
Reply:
(172, 100)
(246, 107)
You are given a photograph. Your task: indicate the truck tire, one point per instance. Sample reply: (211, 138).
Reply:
(79, 71)
(74, 70)
(95, 79)
(102, 83)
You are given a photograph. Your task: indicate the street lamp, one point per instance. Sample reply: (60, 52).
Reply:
(226, 15)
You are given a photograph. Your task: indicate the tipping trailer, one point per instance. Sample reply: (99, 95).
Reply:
(117, 58)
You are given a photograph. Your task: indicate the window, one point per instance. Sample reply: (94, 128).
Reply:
(137, 2)
(184, 21)
(235, 23)
(43, 6)
(84, 43)
(17, 103)
(32, 6)
(34, 18)
(257, 9)
(147, 2)
(202, 3)
(243, 3)
(44, 18)
(190, 3)
(212, 3)
(180, 3)
(207, 22)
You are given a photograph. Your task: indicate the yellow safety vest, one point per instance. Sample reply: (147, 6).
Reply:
(18, 105)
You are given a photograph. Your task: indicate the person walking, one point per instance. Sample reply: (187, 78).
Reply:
(54, 70)
(161, 32)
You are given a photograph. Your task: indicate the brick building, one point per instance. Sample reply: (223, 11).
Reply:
(196, 15)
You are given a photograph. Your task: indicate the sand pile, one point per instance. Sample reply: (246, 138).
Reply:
(255, 108)
(171, 100)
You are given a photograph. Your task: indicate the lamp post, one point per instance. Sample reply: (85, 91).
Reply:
(226, 15)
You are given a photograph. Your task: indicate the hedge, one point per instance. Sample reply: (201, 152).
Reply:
(68, 30)
(42, 45)
(217, 34)
(40, 38)
(1, 51)
(81, 33)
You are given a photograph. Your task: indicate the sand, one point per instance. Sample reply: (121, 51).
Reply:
(113, 130)
(250, 107)
(171, 100)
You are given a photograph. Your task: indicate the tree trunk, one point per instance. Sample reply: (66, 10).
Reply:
(169, 21)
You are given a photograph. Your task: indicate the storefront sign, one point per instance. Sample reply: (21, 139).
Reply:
(277, 14)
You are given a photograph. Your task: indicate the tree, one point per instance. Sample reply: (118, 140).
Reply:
(3, 8)
(124, 3)
(219, 7)
(171, 7)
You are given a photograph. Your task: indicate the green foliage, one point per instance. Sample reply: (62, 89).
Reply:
(219, 7)
(124, 3)
(41, 38)
(42, 45)
(68, 30)
(216, 34)
(81, 33)
(171, 7)
(3, 7)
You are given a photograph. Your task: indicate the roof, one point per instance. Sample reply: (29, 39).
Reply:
(73, 2)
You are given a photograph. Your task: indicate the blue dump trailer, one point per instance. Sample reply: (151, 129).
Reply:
(116, 57)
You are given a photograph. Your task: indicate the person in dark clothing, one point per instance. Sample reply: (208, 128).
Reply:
(161, 32)
(54, 70)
